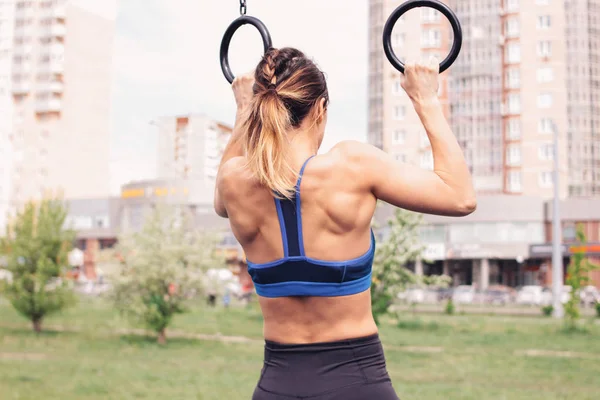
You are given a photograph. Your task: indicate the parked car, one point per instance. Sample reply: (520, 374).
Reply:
(531, 295)
(498, 295)
(589, 295)
(463, 294)
(547, 296)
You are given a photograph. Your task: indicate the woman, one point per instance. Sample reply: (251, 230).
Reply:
(303, 221)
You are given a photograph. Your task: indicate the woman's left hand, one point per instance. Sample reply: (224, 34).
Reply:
(243, 90)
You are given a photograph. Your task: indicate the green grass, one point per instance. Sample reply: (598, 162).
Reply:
(82, 355)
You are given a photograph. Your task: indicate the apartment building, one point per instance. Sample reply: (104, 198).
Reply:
(6, 43)
(60, 83)
(526, 69)
(190, 147)
(393, 124)
(583, 95)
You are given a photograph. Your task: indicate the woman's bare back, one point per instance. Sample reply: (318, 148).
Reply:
(337, 207)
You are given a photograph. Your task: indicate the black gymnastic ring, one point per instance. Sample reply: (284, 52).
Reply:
(243, 20)
(409, 5)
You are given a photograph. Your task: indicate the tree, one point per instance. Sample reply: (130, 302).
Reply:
(36, 247)
(390, 275)
(161, 267)
(577, 277)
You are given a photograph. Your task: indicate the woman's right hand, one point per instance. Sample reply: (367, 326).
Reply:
(420, 80)
(243, 90)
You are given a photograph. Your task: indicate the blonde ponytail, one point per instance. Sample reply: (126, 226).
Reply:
(287, 87)
(267, 146)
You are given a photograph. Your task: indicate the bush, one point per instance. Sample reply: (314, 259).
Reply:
(36, 248)
(547, 310)
(450, 307)
(598, 309)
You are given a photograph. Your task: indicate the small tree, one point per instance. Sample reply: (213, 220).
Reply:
(162, 266)
(390, 275)
(36, 247)
(577, 277)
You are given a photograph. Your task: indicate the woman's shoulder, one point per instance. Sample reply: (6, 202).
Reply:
(234, 173)
(352, 151)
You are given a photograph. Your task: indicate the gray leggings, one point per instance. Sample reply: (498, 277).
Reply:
(351, 369)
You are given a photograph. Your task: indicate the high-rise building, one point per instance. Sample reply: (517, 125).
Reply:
(190, 147)
(526, 69)
(61, 82)
(7, 8)
(583, 95)
(393, 124)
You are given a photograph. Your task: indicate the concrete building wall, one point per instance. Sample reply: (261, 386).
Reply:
(7, 19)
(62, 69)
(190, 147)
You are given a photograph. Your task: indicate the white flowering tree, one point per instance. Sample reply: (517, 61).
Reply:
(161, 267)
(390, 273)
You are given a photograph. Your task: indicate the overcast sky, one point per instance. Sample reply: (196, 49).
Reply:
(166, 63)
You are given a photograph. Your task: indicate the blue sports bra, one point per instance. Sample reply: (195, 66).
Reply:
(298, 275)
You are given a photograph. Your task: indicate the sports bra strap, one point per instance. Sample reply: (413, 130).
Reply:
(290, 220)
(302, 173)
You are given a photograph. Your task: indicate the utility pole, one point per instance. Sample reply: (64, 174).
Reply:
(557, 256)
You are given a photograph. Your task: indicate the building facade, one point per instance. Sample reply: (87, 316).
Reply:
(393, 123)
(527, 68)
(60, 84)
(583, 95)
(190, 147)
(512, 248)
(7, 20)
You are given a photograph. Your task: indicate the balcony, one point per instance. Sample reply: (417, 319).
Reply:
(21, 68)
(22, 31)
(50, 87)
(21, 88)
(22, 50)
(58, 13)
(54, 30)
(47, 105)
(51, 68)
(23, 13)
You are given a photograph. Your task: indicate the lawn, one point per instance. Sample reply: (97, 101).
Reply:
(87, 353)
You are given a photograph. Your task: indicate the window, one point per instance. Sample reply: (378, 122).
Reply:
(546, 152)
(543, 22)
(514, 128)
(546, 179)
(400, 157)
(545, 126)
(511, 27)
(513, 155)
(424, 138)
(514, 103)
(427, 160)
(399, 137)
(429, 15)
(397, 88)
(513, 78)
(398, 39)
(544, 100)
(399, 112)
(513, 53)
(545, 74)
(512, 5)
(431, 38)
(544, 48)
(514, 181)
